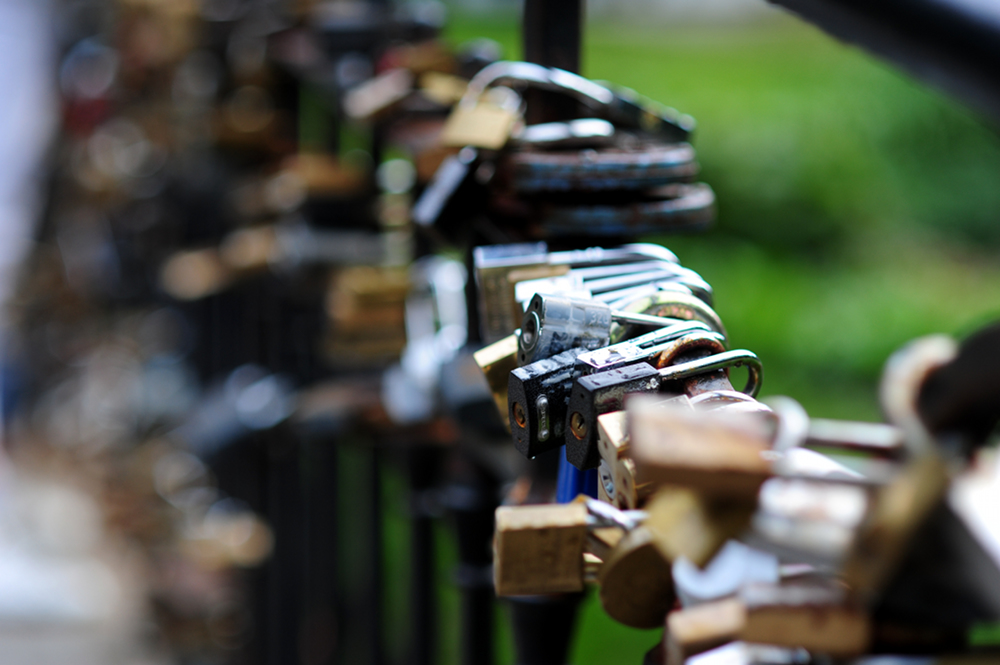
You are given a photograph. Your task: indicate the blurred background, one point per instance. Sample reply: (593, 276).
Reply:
(858, 209)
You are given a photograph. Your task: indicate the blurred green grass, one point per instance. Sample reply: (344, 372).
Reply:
(858, 209)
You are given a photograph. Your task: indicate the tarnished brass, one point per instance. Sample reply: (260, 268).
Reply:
(636, 585)
(539, 549)
(497, 360)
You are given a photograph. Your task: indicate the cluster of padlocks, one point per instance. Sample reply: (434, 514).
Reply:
(748, 531)
(234, 285)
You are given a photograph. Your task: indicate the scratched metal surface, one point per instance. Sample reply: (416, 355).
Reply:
(682, 207)
(644, 165)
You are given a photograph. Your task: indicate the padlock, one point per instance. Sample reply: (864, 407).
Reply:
(539, 549)
(604, 392)
(537, 395)
(636, 585)
(812, 520)
(612, 437)
(686, 523)
(621, 106)
(812, 617)
(366, 308)
(720, 457)
(500, 313)
(497, 361)
(553, 324)
(552, 378)
(612, 444)
(632, 164)
(485, 122)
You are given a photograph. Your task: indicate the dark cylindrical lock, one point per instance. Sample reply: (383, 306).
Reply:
(553, 324)
(538, 393)
(597, 394)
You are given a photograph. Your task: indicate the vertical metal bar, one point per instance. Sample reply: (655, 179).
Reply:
(422, 463)
(375, 550)
(543, 625)
(552, 37)
(552, 33)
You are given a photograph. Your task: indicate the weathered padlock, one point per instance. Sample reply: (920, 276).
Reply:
(686, 523)
(812, 617)
(497, 361)
(716, 456)
(499, 311)
(636, 585)
(539, 549)
(540, 391)
(604, 392)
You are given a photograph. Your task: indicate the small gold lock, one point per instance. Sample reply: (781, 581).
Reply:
(811, 617)
(497, 360)
(685, 523)
(637, 588)
(484, 123)
(539, 549)
(713, 455)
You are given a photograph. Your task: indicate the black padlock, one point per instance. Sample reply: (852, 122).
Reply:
(604, 392)
(553, 378)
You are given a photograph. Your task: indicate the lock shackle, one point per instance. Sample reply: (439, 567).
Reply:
(737, 358)
(622, 107)
(529, 73)
(603, 514)
(795, 429)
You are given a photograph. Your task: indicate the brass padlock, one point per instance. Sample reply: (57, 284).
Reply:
(686, 523)
(497, 360)
(539, 549)
(637, 588)
(708, 453)
(486, 122)
(811, 617)
(612, 443)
